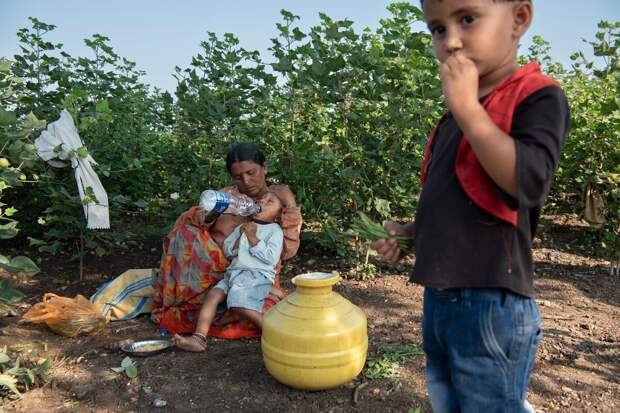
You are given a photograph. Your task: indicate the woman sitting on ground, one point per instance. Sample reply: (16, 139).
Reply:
(254, 249)
(193, 260)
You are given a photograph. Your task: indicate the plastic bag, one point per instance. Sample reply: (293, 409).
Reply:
(66, 316)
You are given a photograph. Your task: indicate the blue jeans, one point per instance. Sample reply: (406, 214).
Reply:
(480, 347)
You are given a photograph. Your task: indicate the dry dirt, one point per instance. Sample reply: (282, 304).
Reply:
(578, 365)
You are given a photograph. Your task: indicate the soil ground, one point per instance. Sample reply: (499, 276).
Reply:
(577, 368)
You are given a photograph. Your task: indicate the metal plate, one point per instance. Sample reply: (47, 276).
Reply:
(146, 348)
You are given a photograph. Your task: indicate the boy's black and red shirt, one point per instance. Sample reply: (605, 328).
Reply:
(475, 241)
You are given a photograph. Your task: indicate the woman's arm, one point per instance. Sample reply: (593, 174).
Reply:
(285, 195)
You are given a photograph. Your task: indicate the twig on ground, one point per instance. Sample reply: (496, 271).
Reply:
(86, 352)
(356, 391)
(12, 402)
(557, 318)
(126, 328)
(57, 363)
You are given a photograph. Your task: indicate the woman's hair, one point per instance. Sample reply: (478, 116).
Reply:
(244, 152)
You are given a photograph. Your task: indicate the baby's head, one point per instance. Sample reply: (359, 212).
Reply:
(485, 31)
(271, 208)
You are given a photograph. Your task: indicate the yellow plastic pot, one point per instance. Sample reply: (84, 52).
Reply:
(314, 339)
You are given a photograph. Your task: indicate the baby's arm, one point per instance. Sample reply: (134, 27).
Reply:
(231, 243)
(268, 250)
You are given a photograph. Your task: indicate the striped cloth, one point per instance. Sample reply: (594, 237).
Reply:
(127, 296)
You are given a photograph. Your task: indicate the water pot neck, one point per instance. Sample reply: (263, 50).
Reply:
(314, 290)
(316, 283)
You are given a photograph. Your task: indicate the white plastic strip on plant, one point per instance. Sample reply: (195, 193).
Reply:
(61, 140)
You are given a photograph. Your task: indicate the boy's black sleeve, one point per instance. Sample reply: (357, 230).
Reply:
(540, 125)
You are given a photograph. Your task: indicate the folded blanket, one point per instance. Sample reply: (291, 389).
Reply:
(127, 296)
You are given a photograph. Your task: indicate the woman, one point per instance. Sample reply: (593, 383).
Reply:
(193, 260)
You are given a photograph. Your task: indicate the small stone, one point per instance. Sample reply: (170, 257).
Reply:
(584, 326)
(147, 389)
(134, 400)
(159, 403)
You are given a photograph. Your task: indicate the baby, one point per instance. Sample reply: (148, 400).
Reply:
(255, 248)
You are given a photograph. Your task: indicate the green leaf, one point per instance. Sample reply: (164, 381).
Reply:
(32, 122)
(25, 264)
(118, 369)
(382, 206)
(7, 117)
(131, 371)
(82, 152)
(141, 203)
(318, 68)
(9, 212)
(5, 65)
(42, 367)
(4, 358)
(8, 293)
(9, 382)
(102, 106)
(8, 230)
(127, 361)
(6, 310)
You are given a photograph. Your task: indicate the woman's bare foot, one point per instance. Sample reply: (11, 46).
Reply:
(196, 343)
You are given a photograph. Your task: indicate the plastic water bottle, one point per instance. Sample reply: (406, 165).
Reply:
(226, 203)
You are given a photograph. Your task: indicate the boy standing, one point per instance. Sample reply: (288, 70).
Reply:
(486, 173)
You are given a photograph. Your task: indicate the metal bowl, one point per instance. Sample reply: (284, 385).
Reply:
(141, 348)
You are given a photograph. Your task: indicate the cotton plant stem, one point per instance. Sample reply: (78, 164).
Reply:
(81, 255)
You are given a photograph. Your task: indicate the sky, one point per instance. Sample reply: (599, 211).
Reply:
(159, 35)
